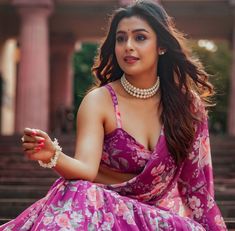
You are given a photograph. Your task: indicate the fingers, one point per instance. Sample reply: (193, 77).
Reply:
(37, 153)
(32, 142)
(33, 155)
(35, 132)
(33, 135)
(37, 146)
(32, 139)
(32, 150)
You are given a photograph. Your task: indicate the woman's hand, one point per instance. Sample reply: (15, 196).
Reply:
(37, 145)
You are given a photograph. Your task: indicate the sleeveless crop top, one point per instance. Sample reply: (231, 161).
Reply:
(121, 151)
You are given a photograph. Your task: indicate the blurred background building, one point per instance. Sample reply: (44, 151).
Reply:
(38, 40)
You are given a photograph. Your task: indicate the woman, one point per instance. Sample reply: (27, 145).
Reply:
(142, 159)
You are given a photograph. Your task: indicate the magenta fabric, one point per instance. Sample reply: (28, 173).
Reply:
(163, 195)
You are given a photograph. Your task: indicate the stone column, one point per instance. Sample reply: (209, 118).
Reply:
(231, 109)
(32, 109)
(62, 48)
(1, 84)
(8, 63)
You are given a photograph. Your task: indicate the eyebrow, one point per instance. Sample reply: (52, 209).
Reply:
(134, 31)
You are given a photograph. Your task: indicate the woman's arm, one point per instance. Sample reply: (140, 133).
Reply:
(89, 141)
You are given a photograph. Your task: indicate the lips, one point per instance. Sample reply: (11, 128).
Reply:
(130, 59)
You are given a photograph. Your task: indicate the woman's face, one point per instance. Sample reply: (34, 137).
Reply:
(136, 46)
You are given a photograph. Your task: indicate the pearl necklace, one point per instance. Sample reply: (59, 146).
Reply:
(138, 92)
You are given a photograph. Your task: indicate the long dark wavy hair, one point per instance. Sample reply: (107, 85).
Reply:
(180, 74)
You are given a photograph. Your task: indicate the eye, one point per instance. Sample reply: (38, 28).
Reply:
(140, 37)
(120, 38)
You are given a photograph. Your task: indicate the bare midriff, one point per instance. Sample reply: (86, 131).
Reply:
(108, 176)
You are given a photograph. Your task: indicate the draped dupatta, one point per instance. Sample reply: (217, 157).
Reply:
(158, 176)
(193, 181)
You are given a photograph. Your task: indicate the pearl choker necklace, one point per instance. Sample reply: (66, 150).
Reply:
(138, 92)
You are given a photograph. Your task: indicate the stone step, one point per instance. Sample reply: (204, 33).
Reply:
(221, 170)
(218, 138)
(224, 186)
(227, 208)
(32, 181)
(222, 158)
(226, 151)
(23, 191)
(223, 145)
(228, 195)
(4, 220)
(223, 180)
(18, 165)
(230, 223)
(33, 173)
(22, 166)
(222, 142)
(224, 171)
(10, 208)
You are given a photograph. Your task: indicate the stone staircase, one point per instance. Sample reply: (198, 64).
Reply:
(22, 181)
(223, 157)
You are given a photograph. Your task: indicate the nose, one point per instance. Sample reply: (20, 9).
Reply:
(129, 45)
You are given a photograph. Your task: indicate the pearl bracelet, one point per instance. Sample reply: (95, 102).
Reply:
(53, 160)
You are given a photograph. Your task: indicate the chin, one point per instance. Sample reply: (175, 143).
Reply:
(129, 71)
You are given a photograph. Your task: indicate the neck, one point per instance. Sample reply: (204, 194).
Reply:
(141, 81)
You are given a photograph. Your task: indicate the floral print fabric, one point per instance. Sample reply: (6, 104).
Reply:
(163, 196)
(82, 205)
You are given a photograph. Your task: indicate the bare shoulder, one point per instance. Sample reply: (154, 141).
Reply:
(94, 102)
(96, 94)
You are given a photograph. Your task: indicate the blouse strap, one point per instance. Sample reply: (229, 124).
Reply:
(115, 104)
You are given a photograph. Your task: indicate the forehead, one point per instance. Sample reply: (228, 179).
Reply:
(133, 23)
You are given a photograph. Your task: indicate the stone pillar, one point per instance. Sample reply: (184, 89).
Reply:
(32, 101)
(62, 48)
(1, 84)
(8, 63)
(231, 109)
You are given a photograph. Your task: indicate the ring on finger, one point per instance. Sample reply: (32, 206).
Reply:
(22, 139)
